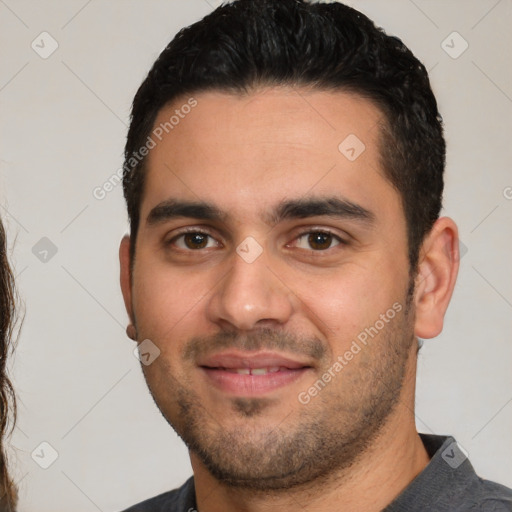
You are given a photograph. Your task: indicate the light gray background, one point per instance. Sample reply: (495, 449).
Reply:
(63, 125)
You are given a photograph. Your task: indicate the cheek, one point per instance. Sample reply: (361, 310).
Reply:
(167, 302)
(344, 302)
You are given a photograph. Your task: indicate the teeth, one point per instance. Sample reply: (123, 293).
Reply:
(253, 371)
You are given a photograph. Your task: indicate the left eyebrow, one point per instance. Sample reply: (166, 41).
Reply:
(324, 206)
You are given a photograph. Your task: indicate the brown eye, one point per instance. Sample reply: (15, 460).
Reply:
(195, 240)
(320, 241)
(317, 240)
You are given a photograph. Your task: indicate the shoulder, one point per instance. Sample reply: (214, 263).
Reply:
(484, 495)
(462, 489)
(449, 483)
(177, 500)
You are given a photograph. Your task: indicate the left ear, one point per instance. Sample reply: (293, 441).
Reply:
(437, 272)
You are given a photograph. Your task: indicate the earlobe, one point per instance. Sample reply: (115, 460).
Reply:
(437, 272)
(125, 277)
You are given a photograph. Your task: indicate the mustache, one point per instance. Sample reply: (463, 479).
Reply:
(262, 339)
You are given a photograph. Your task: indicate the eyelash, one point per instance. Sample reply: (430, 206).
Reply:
(335, 237)
(186, 232)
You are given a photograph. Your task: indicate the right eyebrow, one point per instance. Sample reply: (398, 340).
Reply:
(173, 208)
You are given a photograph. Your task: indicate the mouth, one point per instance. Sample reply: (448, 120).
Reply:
(252, 374)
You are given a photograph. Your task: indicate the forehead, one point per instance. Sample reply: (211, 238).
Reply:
(247, 152)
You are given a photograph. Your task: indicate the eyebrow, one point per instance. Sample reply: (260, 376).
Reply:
(324, 206)
(174, 208)
(285, 210)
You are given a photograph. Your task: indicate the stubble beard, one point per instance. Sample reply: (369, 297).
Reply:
(317, 440)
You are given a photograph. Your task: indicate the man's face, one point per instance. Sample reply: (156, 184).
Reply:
(266, 253)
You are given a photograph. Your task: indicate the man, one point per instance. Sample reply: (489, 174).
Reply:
(284, 176)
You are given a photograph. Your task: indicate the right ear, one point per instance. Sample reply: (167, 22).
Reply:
(125, 276)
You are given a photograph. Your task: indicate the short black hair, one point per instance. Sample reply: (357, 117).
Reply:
(328, 46)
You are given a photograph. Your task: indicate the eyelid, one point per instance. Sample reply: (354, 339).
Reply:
(190, 229)
(305, 230)
(343, 239)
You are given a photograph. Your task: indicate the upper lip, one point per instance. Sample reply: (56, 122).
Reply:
(233, 360)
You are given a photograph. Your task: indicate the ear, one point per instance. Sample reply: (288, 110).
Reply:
(437, 272)
(125, 277)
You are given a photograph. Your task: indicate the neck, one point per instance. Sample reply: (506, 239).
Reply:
(375, 479)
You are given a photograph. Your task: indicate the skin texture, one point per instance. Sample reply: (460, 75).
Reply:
(355, 442)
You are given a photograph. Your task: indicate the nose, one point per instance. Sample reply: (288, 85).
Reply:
(251, 295)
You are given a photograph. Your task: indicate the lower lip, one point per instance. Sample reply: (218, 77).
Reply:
(252, 385)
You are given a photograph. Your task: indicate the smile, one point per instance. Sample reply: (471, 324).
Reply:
(254, 371)
(241, 373)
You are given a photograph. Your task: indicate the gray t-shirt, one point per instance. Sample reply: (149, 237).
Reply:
(448, 484)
